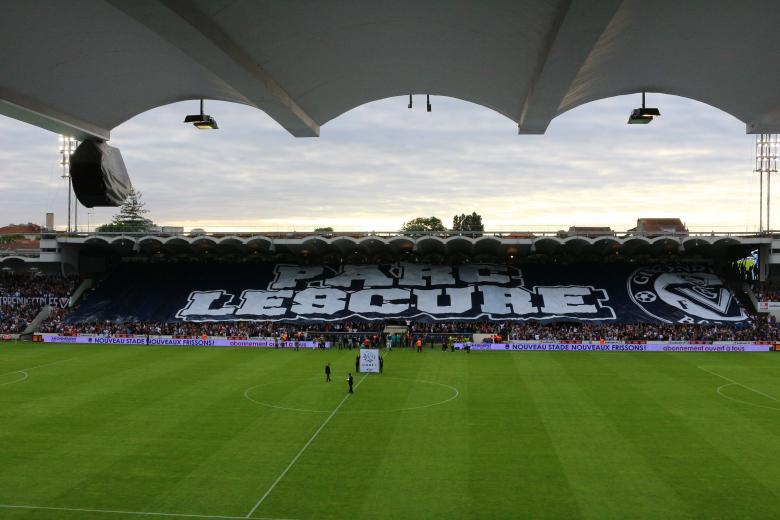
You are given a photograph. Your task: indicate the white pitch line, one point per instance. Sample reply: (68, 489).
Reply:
(740, 384)
(25, 374)
(136, 513)
(37, 366)
(720, 393)
(295, 459)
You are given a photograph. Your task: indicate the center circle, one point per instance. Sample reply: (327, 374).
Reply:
(315, 396)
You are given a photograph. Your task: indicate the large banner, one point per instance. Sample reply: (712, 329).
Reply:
(10, 300)
(181, 342)
(369, 358)
(413, 292)
(653, 346)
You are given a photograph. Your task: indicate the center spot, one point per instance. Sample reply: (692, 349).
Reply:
(377, 393)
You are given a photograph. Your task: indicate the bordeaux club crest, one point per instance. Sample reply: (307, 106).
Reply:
(683, 294)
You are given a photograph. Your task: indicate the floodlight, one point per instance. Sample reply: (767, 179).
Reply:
(202, 121)
(636, 117)
(643, 115)
(208, 123)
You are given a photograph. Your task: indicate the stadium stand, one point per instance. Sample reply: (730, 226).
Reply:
(766, 292)
(581, 302)
(24, 294)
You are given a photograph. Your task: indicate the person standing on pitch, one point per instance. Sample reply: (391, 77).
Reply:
(381, 364)
(327, 372)
(357, 363)
(349, 382)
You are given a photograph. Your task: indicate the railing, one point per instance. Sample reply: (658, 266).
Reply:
(26, 253)
(417, 234)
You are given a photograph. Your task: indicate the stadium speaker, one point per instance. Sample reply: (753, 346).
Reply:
(99, 175)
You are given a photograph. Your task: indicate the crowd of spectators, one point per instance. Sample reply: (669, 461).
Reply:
(55, 320)
(229, 329)
(766, 292)
(33, 284)
(760, 328)
(14, 318)
(23, 295)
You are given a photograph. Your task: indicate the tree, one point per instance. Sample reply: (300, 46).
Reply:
(465, 222)
(324, 230)
(423, 225)
(130, 217)
(7, 239)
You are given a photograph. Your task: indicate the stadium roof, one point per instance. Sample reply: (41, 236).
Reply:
(395, 246)
(82, 67)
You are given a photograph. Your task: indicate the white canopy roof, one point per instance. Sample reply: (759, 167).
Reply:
(82, 67)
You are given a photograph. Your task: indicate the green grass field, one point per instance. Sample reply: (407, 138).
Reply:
(109, 432)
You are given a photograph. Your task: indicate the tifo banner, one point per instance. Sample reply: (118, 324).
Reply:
(60, 302)
(369, 360)
(181, 342)
(412, 292)
(672, 346)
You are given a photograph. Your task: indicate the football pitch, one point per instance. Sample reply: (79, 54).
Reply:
(117, 432)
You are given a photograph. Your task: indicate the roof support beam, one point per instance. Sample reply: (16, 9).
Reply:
(24, 109)
(184, 26)
(767, 125)
(578, 31)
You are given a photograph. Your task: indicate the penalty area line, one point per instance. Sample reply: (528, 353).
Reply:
(36, 366)
(298, 455)
(759, 392)
(128, 513)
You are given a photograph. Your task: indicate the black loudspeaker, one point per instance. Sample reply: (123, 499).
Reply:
(99, 175)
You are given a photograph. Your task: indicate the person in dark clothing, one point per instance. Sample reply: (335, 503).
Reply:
(357, 364)
(349, 382)
(381, 364)
(327, 372)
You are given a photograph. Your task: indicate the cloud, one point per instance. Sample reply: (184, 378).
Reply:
(382, 164)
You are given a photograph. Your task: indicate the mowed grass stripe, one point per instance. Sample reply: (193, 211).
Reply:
(514, 454)
(735, 430)
(198, 419)
(97, 411)
(15, 356)
(150, 409)
(608, 477)
(346, 463)
(330, 470)
(640, 408)
(76, 512)
(414, 448)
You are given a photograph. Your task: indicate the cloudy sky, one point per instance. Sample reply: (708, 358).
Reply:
(382, 164)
